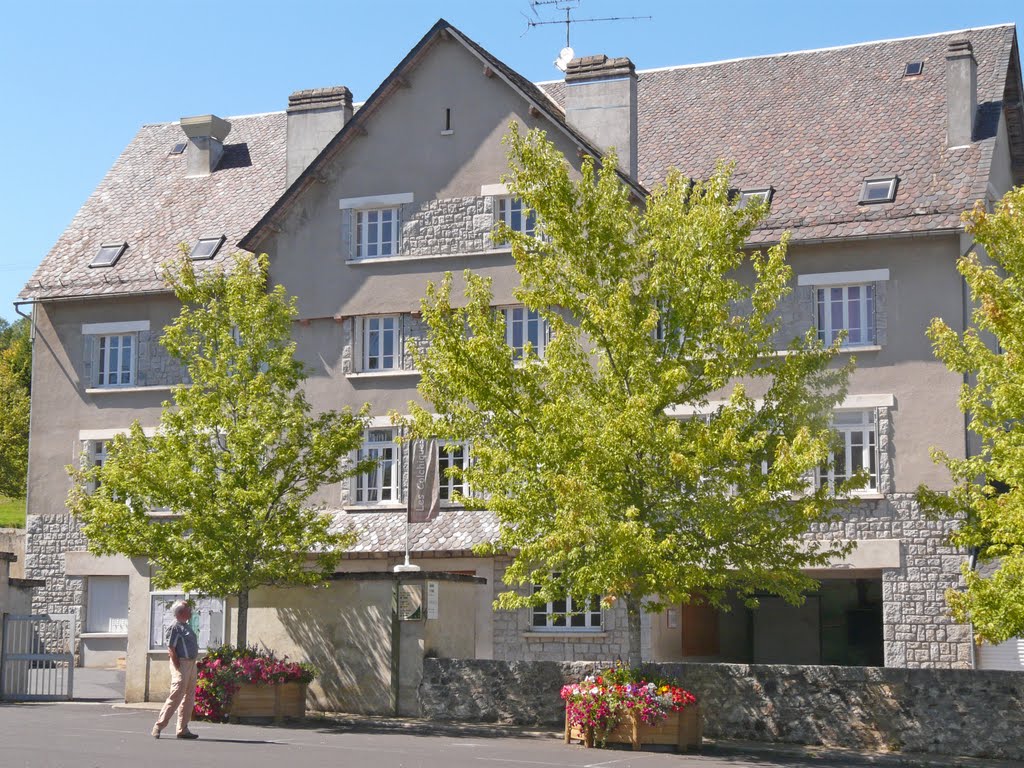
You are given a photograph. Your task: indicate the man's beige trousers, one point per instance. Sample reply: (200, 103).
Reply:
(182, 696)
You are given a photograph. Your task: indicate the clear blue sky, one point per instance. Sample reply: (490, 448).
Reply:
(78, 78)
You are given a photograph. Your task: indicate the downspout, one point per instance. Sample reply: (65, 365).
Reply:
(31, 410)
(972, 560)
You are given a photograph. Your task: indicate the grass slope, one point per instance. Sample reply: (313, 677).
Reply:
(12, 513)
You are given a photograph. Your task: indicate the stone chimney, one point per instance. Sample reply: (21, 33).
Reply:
(600, 103)
(961, 93)
(314, 118)
(206, 134)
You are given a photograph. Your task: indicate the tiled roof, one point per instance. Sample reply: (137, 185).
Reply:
(383, 533)
(146, 201)
(813, 125)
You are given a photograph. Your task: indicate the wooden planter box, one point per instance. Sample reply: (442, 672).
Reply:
(269, 700)
(682, 730)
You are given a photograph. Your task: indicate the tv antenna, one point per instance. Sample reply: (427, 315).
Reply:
(568, 6)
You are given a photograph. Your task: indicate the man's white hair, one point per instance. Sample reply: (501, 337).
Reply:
(177, 607)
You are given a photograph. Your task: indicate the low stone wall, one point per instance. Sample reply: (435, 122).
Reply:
(942, 711)
(13, 540)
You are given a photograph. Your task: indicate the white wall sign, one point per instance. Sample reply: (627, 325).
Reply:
(432, 590)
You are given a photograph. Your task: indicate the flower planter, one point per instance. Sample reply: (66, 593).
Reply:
(683, 730)
(269, 700)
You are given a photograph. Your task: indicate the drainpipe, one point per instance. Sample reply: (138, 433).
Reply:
(31, 411)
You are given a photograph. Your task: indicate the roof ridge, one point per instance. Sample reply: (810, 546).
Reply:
(805, 51)
(784, 54)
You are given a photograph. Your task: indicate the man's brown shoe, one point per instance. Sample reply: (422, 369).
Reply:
(187, 735)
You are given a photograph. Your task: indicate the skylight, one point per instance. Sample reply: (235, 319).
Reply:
(206, 248)
(108, 255)
(748, 196)
(178, 148)
(913, 69)
(879, 190)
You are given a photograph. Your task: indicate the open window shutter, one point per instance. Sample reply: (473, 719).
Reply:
(89, 368)
(348, 250)
(401, 214)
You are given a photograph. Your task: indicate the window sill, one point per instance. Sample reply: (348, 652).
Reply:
(114, 390)
(103, 635)
(862, 348)
(866, 495)
(578, 634)
(394, 374)
(425, 257)
(374, 507)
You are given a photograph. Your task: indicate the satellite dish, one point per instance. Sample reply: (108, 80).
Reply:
(565, 55)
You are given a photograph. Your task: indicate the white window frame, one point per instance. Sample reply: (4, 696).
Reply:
(747, 196)
(375, 482)
(364, 226)
(114, 625)
(890, 183)
(860, 447)
(215, 630)
(104, 358)
(555, 611)
(366, 329)
(448, 486)
(865, 304)
(508, 207)
(528, 317)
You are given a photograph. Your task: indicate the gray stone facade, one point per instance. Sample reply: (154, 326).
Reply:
(950, 712)
(452, 225)
(49, 537)
(516, 640)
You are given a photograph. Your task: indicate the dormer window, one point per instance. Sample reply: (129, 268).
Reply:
(748, 196)
(108, 255)
(206, 248)
(879, 190)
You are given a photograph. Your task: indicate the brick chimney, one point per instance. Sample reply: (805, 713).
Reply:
(600, 102)
(961, 93)
(206, 134)
(314, 118)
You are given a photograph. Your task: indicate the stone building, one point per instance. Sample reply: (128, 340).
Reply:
(867, 153)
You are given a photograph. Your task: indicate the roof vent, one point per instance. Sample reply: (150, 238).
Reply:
(206, 134)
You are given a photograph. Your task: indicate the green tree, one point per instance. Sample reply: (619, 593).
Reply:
(15, 392)
(236, 457)
(598, 484)
(988, 492)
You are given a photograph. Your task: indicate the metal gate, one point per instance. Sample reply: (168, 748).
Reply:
(37, 660)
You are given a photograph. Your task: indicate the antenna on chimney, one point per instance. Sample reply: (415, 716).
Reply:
(568, 6)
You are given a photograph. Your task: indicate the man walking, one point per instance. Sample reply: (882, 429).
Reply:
(182, 649)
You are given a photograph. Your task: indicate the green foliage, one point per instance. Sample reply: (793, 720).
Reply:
(988, 492)
(599, 486)
(15, 384)
(237, 454)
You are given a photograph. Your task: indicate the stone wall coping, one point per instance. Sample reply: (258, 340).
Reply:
(406, 576)
(10, 557)
(26, 583)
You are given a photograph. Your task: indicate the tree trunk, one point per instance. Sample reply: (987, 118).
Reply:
(633, 613)
(242, 635)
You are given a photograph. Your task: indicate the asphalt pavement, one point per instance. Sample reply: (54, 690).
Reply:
(97, 735)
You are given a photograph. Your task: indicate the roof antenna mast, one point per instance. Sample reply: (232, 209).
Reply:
(568, 6)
